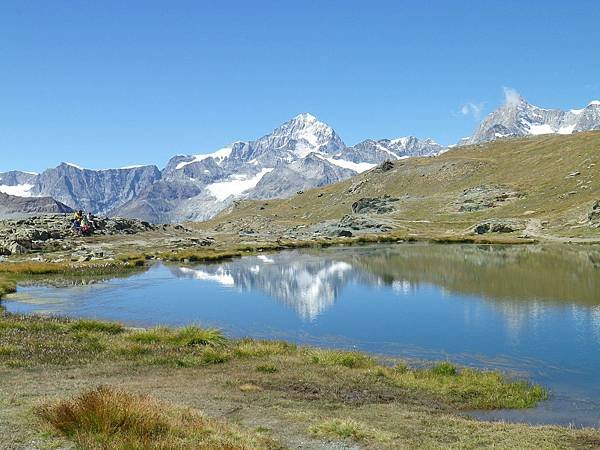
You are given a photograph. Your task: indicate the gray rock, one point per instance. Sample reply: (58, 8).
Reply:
(594, 215)
(378, 205)
(485, 196)
(498, 226)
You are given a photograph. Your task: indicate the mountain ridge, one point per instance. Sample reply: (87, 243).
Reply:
(299, 154)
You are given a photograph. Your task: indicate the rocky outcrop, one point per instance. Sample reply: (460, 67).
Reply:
(499, 226)
(377, 205)
(35, 233)
(486, 196)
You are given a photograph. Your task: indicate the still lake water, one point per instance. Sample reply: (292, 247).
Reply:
(531, 312)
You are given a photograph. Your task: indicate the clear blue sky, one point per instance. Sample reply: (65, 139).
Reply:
(114, 83)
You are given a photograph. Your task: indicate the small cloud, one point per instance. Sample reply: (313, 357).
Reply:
(472, 109)
(511, 96)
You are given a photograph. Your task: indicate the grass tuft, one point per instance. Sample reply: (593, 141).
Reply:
(340, 429)
(111, 418)
(188, 336)
(351, 360)
(267, 368)
(444, 368)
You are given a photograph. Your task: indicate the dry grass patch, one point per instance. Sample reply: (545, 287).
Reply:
(108, 418)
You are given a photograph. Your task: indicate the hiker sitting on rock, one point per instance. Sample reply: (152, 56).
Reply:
(86, 226)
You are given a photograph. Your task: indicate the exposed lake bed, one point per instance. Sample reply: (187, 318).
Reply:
(529, 311)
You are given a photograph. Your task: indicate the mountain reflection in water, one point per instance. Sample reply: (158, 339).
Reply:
(513, 277)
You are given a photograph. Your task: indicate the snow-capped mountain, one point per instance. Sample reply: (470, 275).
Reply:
(516, 117)
(300, 154)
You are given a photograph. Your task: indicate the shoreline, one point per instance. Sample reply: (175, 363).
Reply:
(261, 374)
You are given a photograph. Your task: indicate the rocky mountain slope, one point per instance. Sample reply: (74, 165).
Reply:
(517, 118)
(545, 186)
(12, 206)
(300, 154)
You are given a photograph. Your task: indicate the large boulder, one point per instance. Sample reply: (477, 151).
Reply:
(498, 226)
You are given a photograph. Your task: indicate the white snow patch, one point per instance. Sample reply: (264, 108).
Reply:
(541, 129)
(74, 165)
(594, 103)
(235, 185)
(568, 129)
(20, 190)
(136, 166)
(220, 154)
(357, 167)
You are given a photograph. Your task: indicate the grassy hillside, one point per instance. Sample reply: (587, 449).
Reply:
(547, 184)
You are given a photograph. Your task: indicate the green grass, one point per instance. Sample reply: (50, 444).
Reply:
(351, 360)
(267, 368)
(349, 429)
(97, 326)
(186, 336)
(31, 341)
(467, 388)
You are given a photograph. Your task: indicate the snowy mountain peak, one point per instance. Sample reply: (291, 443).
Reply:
(516, 117)
(305, 117)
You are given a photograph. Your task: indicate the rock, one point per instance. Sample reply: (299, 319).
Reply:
(485, 196)
(482, 228)
(594, 215)
(360, 223)
(38, 232)
(498, 226)
(378, 205)
(345, 233)
(385, 166)
(17, 249)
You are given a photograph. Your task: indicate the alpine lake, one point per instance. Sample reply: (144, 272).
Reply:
(529, 311)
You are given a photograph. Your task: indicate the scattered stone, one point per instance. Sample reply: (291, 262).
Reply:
(357, 186)
(362, 223)
(485, 196)
(575, 174)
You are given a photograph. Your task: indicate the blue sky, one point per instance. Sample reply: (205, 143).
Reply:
(115, 83)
